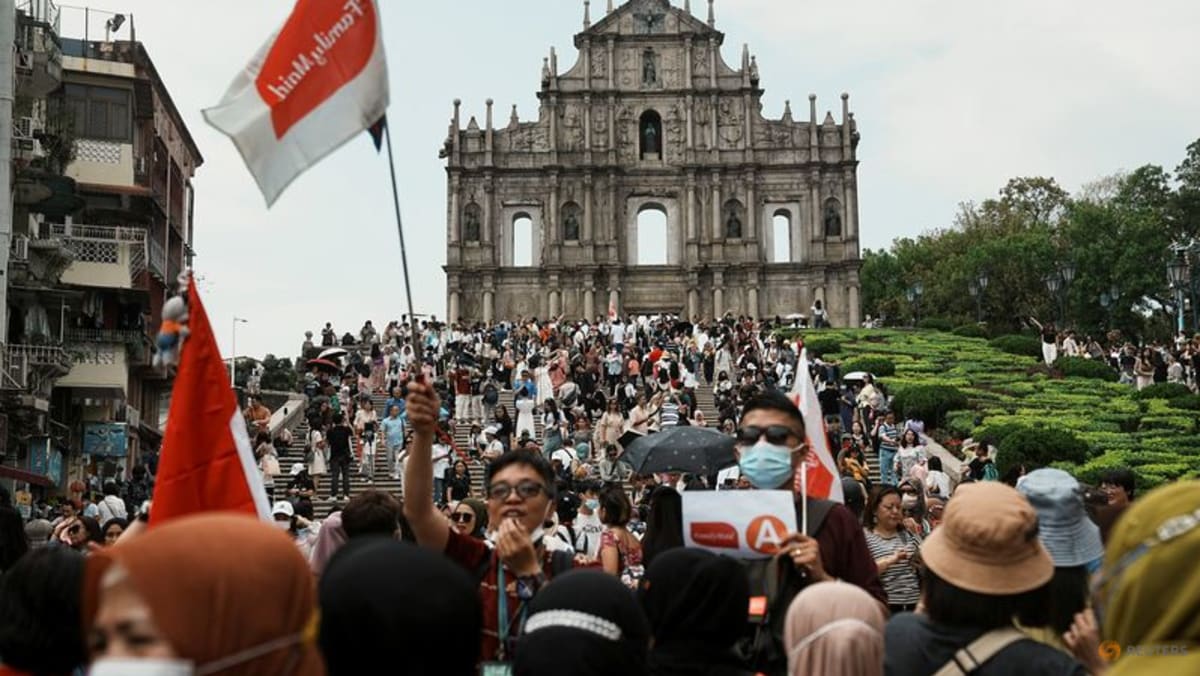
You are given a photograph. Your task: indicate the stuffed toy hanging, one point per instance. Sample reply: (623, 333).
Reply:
(173, 330)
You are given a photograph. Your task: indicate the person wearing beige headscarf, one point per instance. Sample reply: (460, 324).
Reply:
(188, 597)
(834, 629)
(1148, 593)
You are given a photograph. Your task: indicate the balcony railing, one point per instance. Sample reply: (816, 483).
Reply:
(39, 355)
(45, 11)
(119, 336)
(103, 244)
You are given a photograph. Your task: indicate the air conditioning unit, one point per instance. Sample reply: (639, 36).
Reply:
(24, 62)
(20, 248)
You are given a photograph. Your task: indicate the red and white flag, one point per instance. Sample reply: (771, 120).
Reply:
(823, 480)
(317, 83)
(612, 310)
(207, 464)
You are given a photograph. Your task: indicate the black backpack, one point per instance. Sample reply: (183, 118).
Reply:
(762, 649)
(490, 394)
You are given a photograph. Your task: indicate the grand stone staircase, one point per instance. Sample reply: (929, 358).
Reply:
(322, 506)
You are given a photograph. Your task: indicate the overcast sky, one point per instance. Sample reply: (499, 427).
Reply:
(952, 98)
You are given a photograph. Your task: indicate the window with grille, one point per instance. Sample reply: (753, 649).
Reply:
(101, 113)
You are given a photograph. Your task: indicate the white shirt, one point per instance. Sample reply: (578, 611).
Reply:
(563, 456)
(441, 460)
(618, 334)
(111, 507)
(587, 534)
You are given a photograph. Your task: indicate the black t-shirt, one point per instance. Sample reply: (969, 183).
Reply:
(1049, 337)
(830, 402)
(914, 644)
(338, 438)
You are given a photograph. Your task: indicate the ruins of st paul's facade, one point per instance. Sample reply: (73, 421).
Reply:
(652, 119)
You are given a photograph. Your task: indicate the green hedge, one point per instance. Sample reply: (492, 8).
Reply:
(1078, 367)
(929, 403)
(876, 366)
(821, 346)
(1163, 391)
(970, 331)
(935, 324)
(1024, 346)
(1039, 447)
(1189, 402)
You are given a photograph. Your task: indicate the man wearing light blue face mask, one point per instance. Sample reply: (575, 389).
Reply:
(771, 448)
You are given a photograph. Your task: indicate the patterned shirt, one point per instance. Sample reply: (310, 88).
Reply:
(900, 580)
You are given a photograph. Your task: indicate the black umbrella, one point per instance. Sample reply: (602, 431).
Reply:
(690, 449)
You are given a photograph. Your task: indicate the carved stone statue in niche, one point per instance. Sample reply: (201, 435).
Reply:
(571, 224)
(649, 68)
(600, 127)
(572, 129)
(733, 223)
(599, 64)
(651, 141)
(471, 223)
(700, 62)
(833, 220)
(702, 122)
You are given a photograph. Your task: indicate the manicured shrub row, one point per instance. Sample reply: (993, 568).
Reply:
(930, 403)
(1023, 346)
(1079, 367)
(878, 366)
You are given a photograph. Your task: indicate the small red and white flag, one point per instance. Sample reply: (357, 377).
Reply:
(821, 480)
(317, 83)
(206, 464)
(612, 310)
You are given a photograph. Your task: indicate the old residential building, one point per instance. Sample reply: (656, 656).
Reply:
(652, 125)
(102, 225)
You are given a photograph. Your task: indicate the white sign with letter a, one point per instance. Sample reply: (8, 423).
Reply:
(741, 524)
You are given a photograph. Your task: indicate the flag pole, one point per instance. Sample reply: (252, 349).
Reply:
(387, 130)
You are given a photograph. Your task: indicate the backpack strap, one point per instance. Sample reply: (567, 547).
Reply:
(967, 660)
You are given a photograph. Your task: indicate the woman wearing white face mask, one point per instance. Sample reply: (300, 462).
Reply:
(186, 598)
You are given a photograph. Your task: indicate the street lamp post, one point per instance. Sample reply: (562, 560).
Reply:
(233, 350)
(1178, 275)
(914, 294)
(1054, 285)
(976, 288)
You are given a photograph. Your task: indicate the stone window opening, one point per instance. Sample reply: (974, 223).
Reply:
(782, 236)
(652, 235)
(522, 234)
(650, 135)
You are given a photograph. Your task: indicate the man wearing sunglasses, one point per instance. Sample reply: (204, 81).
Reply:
(771, 448)
(513, 565)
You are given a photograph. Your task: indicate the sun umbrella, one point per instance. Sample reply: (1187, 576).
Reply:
(856, 377)
(325, 365)
(690, 449)
(333, 353)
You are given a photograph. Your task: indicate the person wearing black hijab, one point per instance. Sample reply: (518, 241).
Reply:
(696, 602)
(584, 623)
(384, 600)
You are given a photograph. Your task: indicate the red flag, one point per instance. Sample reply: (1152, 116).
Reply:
(207, 464)
(824, 482)
(317, 83)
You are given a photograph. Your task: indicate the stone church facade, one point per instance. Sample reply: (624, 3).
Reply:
(652, 119)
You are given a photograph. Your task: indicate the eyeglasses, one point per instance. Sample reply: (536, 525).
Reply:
(526, 489)
(776, 434)
(462, 517)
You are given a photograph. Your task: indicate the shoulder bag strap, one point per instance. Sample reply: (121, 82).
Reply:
(982, 649)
